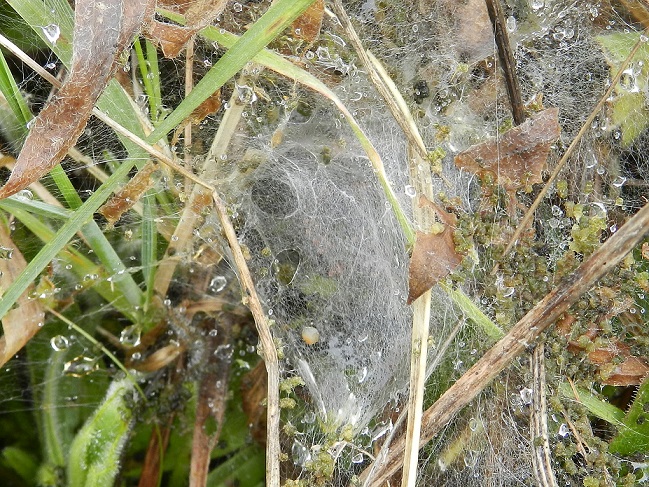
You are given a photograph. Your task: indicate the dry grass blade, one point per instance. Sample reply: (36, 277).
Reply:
(23, 322)
(541, 458)
(522, 335)
(573, 145)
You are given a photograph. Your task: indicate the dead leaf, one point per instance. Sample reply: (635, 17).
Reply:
(23, 321)
(102, 30)
(518, 157)
(198, 15)
(434, 255)
(307, 26)
(130, 194)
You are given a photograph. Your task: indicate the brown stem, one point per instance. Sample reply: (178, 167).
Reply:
(506, 57)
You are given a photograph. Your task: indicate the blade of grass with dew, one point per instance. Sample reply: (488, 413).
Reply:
(596, 406)
(149, 246)
(150, 77)
(79, 263)
(12, 93)
(62, 237)
(277, 18)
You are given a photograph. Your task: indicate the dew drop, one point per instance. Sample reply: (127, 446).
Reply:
(473, 424)
(357, 458)
(6, 253)
(80, 366)
(308, 418)
(237, 7)
(213, 333)
(564, 430)
(52, 32)
(59, 343)
(537, 4)
(619, 181)
(217, 284)
(411, 191)
(526, 395)
(300, 454)
(130, 336)
(510, 23)
(25, 194)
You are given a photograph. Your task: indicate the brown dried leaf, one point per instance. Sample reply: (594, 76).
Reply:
(22, 322)
(433, 256)
(307, 26)
(518, 157)
(130, 194)
(198, 15)
(101, 32)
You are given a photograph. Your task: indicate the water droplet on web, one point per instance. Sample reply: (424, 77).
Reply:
(207, 63)
(237, 7)
(50, 66)
(411, 191)
(25, 194)
(6, 253)
(556, 211)
(473, 424)
(601, 169)
(381, 429)
(80, 366)
(619, 181)
(130, 336)
(511, 23)
(217, 284)
(613, 228)
(300, 454)
(526, 395)
(59, 343)
(564, 430)
(537, 4)
(213, 333)
(52, 32)
(362, 375)
(309, 418)
(357, 458)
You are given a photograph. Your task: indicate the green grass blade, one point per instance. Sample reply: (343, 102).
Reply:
(79, 263)
(262, 32)
(12, 93)
(596, 406)
(62, 237)
(149, 246)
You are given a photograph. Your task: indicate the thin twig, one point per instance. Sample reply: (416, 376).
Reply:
(522, 335)
(541, 457)
(506, 57)
(585, 127)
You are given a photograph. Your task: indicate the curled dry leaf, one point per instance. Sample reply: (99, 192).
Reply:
(128, 195)
(517, 158)
(198, 15)
(434, 255)
(307, 26)
(102, 30)
(22, 322)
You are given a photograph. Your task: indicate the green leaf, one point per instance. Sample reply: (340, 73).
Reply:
(629, 106)
(263, 31)
(634, 435)
(95, 452)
